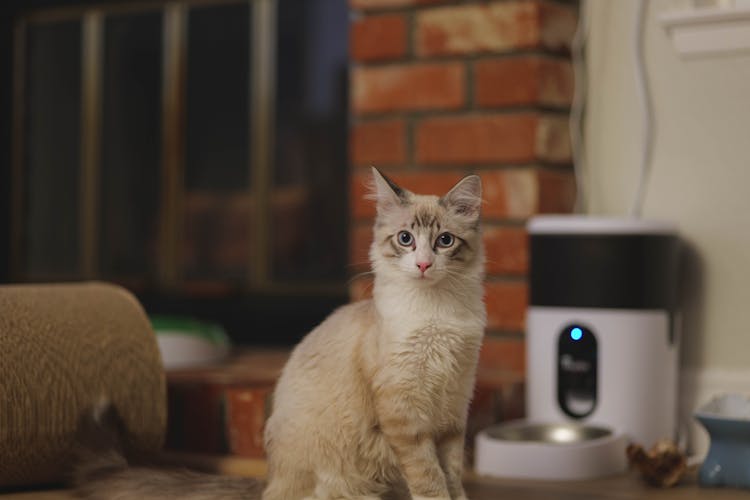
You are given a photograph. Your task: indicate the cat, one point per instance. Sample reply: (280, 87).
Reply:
(374, 401)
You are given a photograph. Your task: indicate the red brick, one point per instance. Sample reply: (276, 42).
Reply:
(556, 82)
(506, 250)
(408, 87)
(476, 139)
(503, 354)
(557, 26)
(499, 26)
(557, 191)
(507, 82)
(360, 207)
(359, 247)
(246, 411)
(437, 183)
(553, 139)
(496, 138)
(375, 38)
(523, 192)
(381, 142)
(506, 305)
(509, 194)
(524, 80)
(514, 194)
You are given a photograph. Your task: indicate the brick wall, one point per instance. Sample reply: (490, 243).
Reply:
(443, 88)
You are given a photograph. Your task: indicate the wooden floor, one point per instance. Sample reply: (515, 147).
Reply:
(628, 486)
(620, 487)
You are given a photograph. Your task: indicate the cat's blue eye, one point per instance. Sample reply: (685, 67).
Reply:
(446, 240)
(405, 238)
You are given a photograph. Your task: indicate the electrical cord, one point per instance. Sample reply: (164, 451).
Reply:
(575, 120)
(644, 94)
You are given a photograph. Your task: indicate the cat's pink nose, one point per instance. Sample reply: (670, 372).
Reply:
(423, 266)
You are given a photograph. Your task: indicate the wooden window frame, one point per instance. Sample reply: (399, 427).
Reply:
(174, 56)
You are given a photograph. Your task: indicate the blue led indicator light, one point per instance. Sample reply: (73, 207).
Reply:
(576, 333)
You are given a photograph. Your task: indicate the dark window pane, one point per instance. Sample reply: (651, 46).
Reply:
(217, 237)
(218, 207)
(309, 197)
(131, 146)
(218, 79)
(53, 125)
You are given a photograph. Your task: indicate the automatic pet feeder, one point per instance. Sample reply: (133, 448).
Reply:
(602, 349)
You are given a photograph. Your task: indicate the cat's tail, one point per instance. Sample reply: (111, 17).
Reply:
(103, 469)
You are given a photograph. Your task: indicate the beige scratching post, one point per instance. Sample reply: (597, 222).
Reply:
(62, 349)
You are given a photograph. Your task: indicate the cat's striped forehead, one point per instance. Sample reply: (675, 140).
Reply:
(415, 212)
(426, 217)
(422, 212)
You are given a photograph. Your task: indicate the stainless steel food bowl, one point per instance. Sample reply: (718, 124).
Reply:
(538, 450)
(548, 433)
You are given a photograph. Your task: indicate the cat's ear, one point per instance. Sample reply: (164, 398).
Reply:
(465, 198)
(385, 192)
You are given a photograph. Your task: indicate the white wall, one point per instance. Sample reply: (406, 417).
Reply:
(700, 177)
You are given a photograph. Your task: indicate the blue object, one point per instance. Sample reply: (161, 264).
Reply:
(728, 460)
(576, 333)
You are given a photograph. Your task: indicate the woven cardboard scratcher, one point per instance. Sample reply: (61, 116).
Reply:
(62, 349)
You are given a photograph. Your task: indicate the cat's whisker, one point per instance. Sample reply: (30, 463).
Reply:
(359, 275)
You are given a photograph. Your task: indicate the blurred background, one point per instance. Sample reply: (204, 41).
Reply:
(194, 152)
(697, 68)
(210, 155)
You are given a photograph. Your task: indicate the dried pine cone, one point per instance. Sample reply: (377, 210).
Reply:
(663, 465)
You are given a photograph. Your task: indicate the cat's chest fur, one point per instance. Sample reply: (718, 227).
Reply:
(428, 349)
(432, 349)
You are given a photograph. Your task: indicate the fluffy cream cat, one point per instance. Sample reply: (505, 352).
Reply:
(374, 400)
